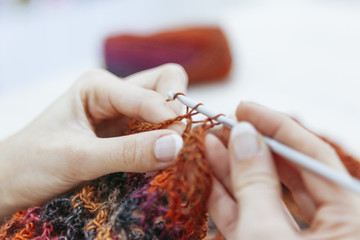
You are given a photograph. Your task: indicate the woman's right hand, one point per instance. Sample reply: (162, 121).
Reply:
(246, 202)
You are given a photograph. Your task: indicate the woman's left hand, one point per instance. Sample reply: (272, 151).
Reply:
(76, 138)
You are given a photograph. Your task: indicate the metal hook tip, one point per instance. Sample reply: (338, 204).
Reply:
(171, 95)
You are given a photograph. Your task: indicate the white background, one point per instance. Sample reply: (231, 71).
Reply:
(298, 57)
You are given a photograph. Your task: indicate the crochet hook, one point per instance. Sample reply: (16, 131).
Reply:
(288, 153)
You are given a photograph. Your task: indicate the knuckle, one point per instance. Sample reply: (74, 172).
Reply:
(152, 95)
(151, 99)
(92, 76)
(173, 69)
(94, 72)
(256, 181)
(88, 77)
(89, 82)
(129, 156)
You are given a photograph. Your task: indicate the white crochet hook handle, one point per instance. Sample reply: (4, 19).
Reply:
(288, 153)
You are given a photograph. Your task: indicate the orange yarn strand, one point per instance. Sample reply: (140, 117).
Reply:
(86, 197)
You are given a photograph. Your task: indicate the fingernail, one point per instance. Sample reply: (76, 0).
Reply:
(167, 147)
(245, 143)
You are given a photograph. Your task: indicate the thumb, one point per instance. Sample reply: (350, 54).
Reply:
(142, 152)
(255, 183)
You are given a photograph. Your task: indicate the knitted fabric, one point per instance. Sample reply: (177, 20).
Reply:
(168, 205)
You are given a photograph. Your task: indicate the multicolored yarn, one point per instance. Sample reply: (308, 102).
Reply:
(168, 205)
(141, 206)
(204, 53)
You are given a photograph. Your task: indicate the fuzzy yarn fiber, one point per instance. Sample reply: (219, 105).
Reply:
(204, 52)
(168, 205)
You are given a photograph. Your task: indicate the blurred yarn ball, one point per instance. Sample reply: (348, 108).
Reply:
(203, 51)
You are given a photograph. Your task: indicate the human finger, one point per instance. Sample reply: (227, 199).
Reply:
(105, 96)
(217, 156)
(222, 133)
(285, 130)
(288, 175)
(255, 183)
(293, 181)
(142, 152)
(223, 209)
(167, 77)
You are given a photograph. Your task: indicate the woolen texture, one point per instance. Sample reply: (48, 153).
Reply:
(204, 52)
(170, 204)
